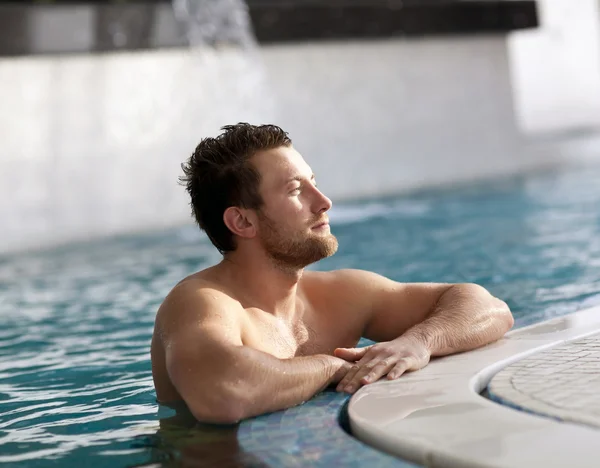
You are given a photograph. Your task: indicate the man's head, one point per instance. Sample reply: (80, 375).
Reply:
(250, 185)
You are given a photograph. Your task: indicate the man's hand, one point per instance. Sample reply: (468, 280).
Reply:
(391, 358)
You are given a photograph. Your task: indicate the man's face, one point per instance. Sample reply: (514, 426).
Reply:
(293, 223)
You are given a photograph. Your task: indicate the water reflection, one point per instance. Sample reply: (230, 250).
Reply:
(183, 441)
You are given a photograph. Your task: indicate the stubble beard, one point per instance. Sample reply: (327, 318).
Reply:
(298, 251)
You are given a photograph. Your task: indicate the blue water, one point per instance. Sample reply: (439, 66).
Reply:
(75, 380)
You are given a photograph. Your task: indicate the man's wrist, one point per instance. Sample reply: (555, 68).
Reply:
(336, 368)
(421, 339)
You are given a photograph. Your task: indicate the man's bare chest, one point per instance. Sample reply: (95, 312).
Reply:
(316, 333)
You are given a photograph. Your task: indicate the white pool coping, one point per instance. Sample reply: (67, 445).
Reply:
(436, 417)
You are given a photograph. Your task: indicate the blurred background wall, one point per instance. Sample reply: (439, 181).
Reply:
(100, 102)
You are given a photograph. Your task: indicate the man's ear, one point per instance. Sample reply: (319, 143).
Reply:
(239, 222)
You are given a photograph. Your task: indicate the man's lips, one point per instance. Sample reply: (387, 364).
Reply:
(321, 224)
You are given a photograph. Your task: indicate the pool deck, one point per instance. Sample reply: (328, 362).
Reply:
(436, 417)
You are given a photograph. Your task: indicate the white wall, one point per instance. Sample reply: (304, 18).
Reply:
(380, 117)
(556, 68)
(92, 145)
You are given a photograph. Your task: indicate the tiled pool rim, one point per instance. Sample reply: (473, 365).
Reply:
(436, 417)
(561, 382)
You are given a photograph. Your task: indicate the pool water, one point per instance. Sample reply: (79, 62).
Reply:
(75, 379)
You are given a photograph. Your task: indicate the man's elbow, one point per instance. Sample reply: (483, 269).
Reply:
(504, 315)
(230, 409)
(224, 413)
(499, 310)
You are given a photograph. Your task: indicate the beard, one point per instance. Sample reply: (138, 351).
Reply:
(295, 251)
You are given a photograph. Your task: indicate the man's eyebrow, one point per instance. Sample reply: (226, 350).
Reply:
(299, 179)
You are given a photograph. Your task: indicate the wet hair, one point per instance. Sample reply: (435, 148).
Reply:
(219, 174)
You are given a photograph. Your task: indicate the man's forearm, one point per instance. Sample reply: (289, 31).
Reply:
(465, 317)
(289, 382)
(264, 383)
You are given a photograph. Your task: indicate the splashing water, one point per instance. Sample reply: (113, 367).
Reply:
(215, 22)
(228, 67)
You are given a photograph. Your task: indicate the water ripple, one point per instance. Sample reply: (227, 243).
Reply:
(75, 378)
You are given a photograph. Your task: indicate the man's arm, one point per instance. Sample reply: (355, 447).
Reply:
(223, 381)
(465, 317)
(414, 322)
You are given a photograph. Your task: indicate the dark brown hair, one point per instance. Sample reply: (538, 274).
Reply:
(219, 174)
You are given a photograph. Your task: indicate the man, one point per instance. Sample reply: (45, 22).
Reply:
(256, 333)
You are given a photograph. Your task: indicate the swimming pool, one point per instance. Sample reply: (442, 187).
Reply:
(75, 381)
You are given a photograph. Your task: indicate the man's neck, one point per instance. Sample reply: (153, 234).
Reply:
(263, 283)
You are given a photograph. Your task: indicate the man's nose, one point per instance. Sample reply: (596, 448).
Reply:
(324, 203)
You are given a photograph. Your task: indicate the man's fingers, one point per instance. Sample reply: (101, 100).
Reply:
(400, 368)
(369, 367)
(350, 354)
(368, 372)
(342, 386)
(377, 371)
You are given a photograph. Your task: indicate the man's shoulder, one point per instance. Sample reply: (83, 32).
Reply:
(195, 298)
(340, 285)
(197, 288)
(346, 277)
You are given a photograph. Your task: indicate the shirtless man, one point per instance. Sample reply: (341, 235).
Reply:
(256, 333)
